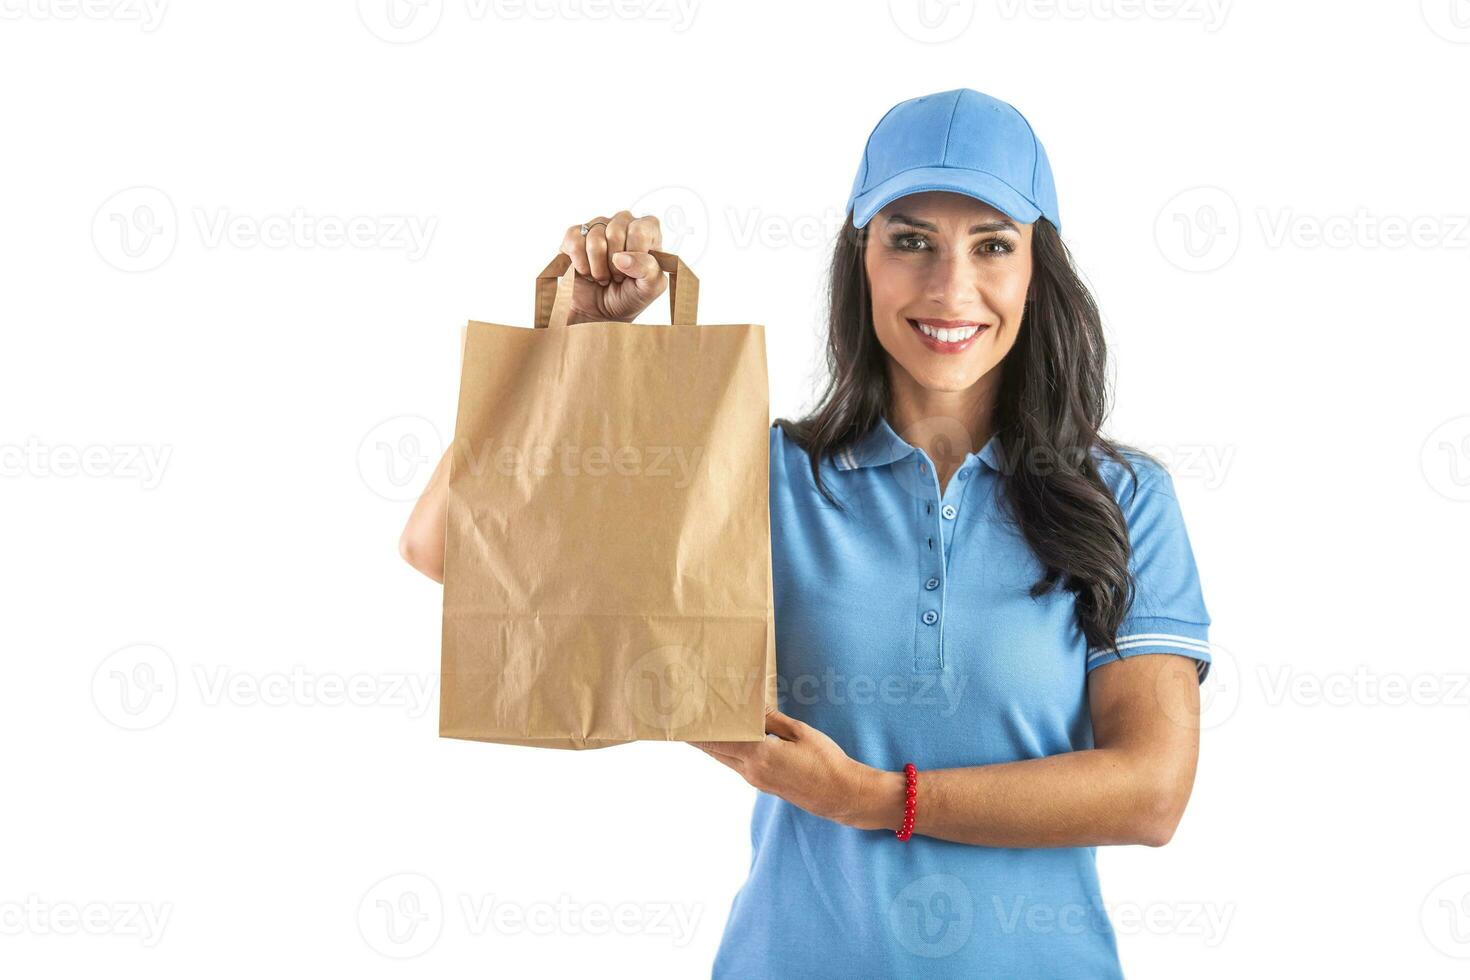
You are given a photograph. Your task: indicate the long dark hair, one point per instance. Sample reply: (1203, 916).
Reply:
(1049, 413)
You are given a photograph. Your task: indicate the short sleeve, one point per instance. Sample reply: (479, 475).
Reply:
(1168, 613)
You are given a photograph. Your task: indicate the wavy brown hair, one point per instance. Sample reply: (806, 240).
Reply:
(1049, 413)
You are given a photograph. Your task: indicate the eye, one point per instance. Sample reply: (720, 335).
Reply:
(997, 246)
(909, 242)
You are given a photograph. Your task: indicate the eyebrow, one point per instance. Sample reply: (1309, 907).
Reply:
(1002, 225)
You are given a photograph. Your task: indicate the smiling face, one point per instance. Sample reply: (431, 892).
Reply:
(948, 276)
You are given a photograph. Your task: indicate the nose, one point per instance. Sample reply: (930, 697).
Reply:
(953, 284)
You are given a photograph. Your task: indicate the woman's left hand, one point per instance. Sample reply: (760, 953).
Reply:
(799, 764)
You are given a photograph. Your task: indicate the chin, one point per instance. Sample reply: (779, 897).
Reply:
(947, 380)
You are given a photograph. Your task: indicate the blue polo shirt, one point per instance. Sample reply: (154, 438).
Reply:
(905, 632)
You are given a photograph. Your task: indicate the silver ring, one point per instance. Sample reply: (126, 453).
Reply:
(586, 227)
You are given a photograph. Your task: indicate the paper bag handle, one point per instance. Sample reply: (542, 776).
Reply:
(554, 290)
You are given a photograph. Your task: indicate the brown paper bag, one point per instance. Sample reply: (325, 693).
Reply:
(607, 572)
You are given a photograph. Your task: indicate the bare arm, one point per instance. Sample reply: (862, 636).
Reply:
(1131, 789)
(422, 542)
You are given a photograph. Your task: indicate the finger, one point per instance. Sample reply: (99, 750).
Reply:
(642, 269)
(617, 237)
(644, 234)
(729, 760)
(575, 245)
(597, 251)
(783, 726)
(732, 750)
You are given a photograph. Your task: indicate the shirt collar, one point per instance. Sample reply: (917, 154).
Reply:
(881, 445)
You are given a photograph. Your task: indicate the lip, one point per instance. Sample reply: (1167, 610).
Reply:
(947, 347)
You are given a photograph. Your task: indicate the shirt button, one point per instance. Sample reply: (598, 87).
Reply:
(932, 584)
(965, 474)
(949, 512)
(930, 617)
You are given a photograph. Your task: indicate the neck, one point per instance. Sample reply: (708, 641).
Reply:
(945, 424)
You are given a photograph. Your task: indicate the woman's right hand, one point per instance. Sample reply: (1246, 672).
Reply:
(616, 277)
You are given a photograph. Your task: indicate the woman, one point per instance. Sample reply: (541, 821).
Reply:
(967, 576)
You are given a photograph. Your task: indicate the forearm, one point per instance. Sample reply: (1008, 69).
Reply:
(422, 542)
(1075, 799)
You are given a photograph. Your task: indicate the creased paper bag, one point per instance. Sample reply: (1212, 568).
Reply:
(607, 569)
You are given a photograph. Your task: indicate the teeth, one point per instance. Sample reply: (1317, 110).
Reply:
(949, 335)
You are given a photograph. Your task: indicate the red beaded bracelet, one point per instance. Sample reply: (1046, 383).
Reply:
(910, 799)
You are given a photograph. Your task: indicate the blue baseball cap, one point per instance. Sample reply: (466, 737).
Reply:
(962, 141)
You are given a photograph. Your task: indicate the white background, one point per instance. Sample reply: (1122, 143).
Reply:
(1232, 179)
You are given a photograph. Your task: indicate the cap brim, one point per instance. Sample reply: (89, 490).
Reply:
(972, 183)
